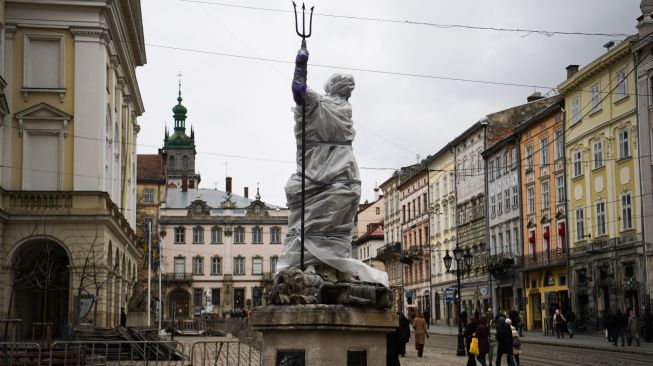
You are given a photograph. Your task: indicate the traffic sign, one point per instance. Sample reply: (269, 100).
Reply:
(449, 295)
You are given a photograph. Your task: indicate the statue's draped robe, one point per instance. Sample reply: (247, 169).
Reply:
(333, 191)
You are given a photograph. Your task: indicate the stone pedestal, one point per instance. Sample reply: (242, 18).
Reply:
(327, 335)
(137, 319)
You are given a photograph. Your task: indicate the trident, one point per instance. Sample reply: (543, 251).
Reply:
(304, 35)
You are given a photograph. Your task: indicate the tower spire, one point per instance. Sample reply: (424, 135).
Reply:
(179, 111)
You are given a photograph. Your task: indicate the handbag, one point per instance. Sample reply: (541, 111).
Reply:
(473, 347)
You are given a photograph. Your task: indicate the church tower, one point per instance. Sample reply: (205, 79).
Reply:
(179, 149)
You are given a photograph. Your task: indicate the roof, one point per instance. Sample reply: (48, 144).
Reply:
(150, 166)
(175, 198)
(377, 234)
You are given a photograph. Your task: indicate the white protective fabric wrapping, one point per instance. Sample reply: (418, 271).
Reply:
(332, 186)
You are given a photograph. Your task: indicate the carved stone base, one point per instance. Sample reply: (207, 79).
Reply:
(327, 335)
(137, 319)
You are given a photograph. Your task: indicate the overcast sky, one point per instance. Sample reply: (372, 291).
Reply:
(237, 67)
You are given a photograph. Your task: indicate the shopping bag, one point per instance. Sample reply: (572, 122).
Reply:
(473, 347)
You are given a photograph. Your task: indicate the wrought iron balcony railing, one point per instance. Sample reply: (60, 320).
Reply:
(177, 277)
(551, 257)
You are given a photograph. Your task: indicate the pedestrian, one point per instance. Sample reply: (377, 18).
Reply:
(648, 324)
(608, 323)
(419, 325)
(482, 333)
(404, 332)
(123, 318)
(394, 342)
(571, 323)
(516, 342)
(470, 330)
(633, 328)
(619, 326)
(504, 341)
(493, 341)
(522, 323)
(559, 322)
(513, 315)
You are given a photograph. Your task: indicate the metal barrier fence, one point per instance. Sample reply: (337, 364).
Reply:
(127, 353)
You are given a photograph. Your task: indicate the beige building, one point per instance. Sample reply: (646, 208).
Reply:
(68, 160)
(390, 252)
(369, 231)
(219, 250)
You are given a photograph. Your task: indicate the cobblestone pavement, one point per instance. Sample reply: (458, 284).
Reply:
(441, 350)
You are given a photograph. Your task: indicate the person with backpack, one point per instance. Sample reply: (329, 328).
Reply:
(559, 322)
(516, 342)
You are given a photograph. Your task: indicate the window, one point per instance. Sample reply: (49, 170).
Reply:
(44, 61)
(216, 235)
(378, 210)
(452, 180)
(180, 235)
(598, 154)
(500, 243)
(560, 187)
(446, 218)
(515, 197)
(515, 159)
(559, 151)
(575, 110)
(257, 266)
(580, 224)
(180, 265)
(464, 170)
(437, 190)
(529, 158)
(148, 195)
(506, 168)
(578, 167)
(624, 150)
(239, 235)
(257, 235)
(544, 152)
(198, 235)
(490, 168)
(215, 296)
(530, 194)
(508, 244)
(239, 266)
(198, 265)
(453, 216)
(198, 297)
(273, 264)
(596, 101)
(492, 206)
(499, 203)
(216, 266)
(479, 166)
(275, 235)
(620, 91)
(626, 211)
(600, 219)
(545, 194)
(497, 162)
(444, 185)
(507, 199)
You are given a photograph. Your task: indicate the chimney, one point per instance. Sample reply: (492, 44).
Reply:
(246, 192)
(533, 97)
(228, 185)
(184, 183)
(571, 70)
(376, 194)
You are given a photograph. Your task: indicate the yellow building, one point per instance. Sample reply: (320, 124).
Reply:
(603, 187)
(68, 160)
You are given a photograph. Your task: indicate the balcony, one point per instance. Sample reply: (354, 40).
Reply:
(545, 259)
(177, 278)
(502, 263)
(604, 245)
(416, 252)
(388, 250)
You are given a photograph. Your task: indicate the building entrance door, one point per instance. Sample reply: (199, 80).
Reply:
(536, 310)
(179, 300)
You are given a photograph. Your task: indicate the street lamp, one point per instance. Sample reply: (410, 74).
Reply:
(467, 261)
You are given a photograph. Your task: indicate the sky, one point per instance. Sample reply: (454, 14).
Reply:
(236, 61)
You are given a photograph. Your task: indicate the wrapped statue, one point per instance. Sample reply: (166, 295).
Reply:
(332, 183)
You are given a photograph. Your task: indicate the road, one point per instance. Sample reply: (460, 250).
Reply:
(441, 350)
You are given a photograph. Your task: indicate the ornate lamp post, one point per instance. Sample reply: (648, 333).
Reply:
(466, 258)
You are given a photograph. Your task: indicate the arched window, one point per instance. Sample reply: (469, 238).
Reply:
(172, 163)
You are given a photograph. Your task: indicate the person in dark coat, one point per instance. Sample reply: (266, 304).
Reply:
(404, 332)
(514, 317)
(427, 316)
(648, 324)
(469, 333)
(394, 343)
(504, 340)
(482, 333)
(620, 322)
(463, 317)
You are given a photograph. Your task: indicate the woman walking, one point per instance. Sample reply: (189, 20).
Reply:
(493, 341)
(419, 325)
(482, 333)
(470, 331)
(633, 328)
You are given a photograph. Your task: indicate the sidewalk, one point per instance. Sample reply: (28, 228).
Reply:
(582, 340)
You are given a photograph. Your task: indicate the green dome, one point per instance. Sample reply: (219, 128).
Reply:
(179, 110)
